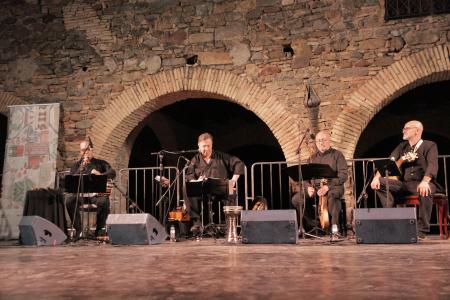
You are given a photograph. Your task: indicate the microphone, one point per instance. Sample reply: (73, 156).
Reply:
(187, 160)
(303, 138)
(90, 142)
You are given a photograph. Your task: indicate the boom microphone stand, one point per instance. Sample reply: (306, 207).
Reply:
(170, 186)
(80, 189)
(301, 184)
(125, 195)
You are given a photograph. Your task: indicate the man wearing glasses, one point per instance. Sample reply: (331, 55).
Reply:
(334, 188)
(88, 164)
(418, 173)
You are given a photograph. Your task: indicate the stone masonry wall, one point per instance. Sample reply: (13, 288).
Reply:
(89, 54)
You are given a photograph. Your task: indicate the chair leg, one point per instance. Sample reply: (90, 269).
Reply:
(441, 219)
(445, 213)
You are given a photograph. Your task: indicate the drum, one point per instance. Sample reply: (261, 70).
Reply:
(231, 217)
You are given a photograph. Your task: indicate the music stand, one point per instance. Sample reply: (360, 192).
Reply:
(310, 172)
(387, 167)
(89, 183)
(208, 190)
(84, 183)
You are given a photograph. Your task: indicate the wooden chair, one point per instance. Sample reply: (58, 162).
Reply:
(441, 201)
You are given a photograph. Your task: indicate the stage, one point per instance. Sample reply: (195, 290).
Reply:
(213, 269)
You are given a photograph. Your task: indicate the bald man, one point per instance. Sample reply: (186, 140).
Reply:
(334, 189)
(418, 176)
(88, 164)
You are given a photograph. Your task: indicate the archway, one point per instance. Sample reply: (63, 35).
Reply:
(428, 66)
(175, 127)
(127, 111)
(428, 103)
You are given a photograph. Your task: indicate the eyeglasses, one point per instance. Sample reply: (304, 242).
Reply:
(322, 141)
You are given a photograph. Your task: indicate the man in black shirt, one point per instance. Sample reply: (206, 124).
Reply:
(209, 163)
(88, 164)
(418, 175)
(334, 189)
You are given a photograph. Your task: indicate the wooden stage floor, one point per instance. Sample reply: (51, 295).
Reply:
(210, 269)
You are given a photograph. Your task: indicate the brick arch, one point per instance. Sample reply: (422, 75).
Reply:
(7, 99)
(124, 113)
(427, 66)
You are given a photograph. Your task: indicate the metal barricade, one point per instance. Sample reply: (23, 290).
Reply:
(145, 192)
(267, 179)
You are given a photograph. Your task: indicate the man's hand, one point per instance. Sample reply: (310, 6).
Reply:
(310, 191)
(95, 172)
(375, 184)
(323, 191)
(424, 188)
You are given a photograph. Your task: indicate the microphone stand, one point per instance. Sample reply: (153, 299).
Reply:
(363, 194)
(170, 186)
(80, 189)
(161, 174)
(125, 195)
(301, 185)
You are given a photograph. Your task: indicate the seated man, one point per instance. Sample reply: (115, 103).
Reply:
(334, 189)
(418, 174)
(209, 163)
(88, 164)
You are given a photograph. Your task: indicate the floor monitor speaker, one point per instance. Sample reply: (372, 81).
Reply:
(386, 225)
(35, 230)
(135, 229)
(269, 226)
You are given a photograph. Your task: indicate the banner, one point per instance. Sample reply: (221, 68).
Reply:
(30, 159)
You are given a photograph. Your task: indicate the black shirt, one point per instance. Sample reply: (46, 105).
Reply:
(426, 163)
(221, 165)
(98, 164)
(336, 160)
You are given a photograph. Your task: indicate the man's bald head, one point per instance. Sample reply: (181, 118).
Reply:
(412, 131)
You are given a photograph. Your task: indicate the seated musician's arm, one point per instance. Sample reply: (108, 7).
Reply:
(375, 184)
(431, 157)
(108, 170)
(342, 171)
(236, 166)
(432, 163)
(190, 171)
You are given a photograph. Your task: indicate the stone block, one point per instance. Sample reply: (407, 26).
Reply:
(300, 62)
(178, 61)
(83, 124)
(214, 58)
(372, 44)
(269, 70)
(232, 32)
(240, 54)
(153, 64)
(202, 37)
(352, 72)
(421, 37)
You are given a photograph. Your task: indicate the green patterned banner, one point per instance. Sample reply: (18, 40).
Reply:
(30, 159)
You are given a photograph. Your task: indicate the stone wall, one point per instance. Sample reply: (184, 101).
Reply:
(101, 58)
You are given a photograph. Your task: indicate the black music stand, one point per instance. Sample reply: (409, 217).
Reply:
(84, 183)
(387, 167)
(208, 190)
(310, 172)
(89, 183)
